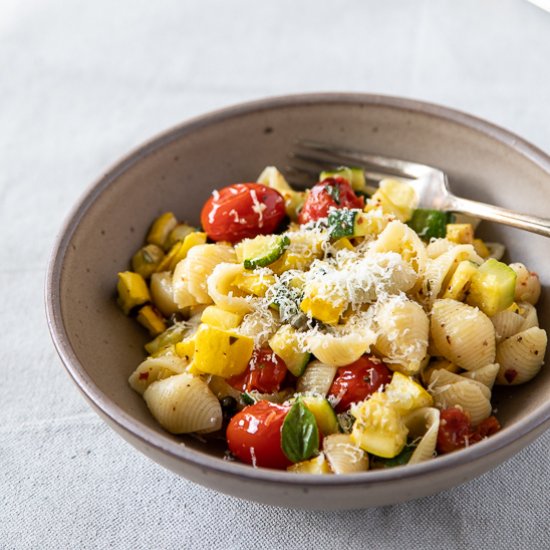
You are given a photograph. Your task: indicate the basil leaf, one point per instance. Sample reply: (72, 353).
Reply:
(247, 399)
(401, 459)
(299, 434)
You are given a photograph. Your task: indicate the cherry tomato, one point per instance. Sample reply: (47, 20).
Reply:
(454, 430)
(265, 373)
(241, 211)
(327, 194)
(486, 427)
(357, 381)
(254, 435)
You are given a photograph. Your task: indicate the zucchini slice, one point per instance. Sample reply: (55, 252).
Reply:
(493, 287)
(323, 412)
(346, 222)
(354, 175)
(285, 344)
(429, 223)
(264, 250)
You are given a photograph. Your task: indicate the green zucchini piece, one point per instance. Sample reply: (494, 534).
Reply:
(493, 287)
(324, 414)
(170, 336)
(265, 250)
(430, 224)
(146, 260)
(286, 345)
(400, 460)
(354, 175)
(346, 222)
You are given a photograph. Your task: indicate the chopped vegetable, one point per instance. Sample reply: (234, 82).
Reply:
(379, 428)
(323, 412)
(286, 345)
(170, 336)
(406, 395)
(460, 281)
(254, 283)
(221, 352)
(264, 250)
(460, 233)
(152, 320)
(429, 224)
(179, 233)
(354, 175)
(317, 465)
(146, 260)
(493, 287)
(220, 318)
(132, 291)
(161, 228)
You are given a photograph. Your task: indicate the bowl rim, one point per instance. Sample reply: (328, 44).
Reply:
(179, 450)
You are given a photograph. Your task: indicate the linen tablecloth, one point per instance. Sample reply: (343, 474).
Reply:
(83, 82)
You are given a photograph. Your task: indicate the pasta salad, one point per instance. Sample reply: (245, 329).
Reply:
(327, 331)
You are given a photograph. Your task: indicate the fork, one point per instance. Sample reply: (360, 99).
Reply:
(431, 184)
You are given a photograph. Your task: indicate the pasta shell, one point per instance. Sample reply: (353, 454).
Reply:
(506, 324)
(343, 455)
(496, 250)
(521, 356)
(436, 364)
(162, 293)
(200, 263)
(437, 247)
(424, 424)
(400, 238)
(463, 334)
(442, 378)
(221, 290)
(468, 396)
(403, 330)
(184, 404)
(485, 375)
(180, 287)
(529, 315)
(153, 369)
(339, 350)
(317, 378)
(527, 284)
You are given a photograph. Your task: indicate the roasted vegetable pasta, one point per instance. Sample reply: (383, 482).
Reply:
(325, 331)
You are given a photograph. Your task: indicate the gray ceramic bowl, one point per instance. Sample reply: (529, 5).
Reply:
(178, 170)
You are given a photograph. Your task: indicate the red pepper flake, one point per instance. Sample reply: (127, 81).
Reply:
(510, 375)
(143, 375)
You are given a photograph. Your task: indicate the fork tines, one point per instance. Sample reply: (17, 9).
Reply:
(316, 154)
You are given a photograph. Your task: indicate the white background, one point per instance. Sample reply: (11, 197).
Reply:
(83, 82)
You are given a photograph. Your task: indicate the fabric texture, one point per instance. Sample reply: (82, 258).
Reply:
(83, 82)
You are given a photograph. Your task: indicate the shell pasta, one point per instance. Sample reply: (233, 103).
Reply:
(325, 331)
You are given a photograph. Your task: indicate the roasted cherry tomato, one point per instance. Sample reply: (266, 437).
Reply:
(254, 435)
(486, 427)
(454, 430)
(265, 373)
(327, 194)
(357, 381)
(242, 211)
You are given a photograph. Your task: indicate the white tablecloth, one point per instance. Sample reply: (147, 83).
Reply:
(83, 82)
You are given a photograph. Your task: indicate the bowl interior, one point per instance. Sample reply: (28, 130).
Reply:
(179, 170)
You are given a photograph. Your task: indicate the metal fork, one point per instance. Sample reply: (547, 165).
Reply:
(431, 184)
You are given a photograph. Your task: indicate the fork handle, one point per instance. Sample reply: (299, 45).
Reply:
(541, 226)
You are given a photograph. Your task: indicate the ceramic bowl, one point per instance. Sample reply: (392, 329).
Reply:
(177, 171)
